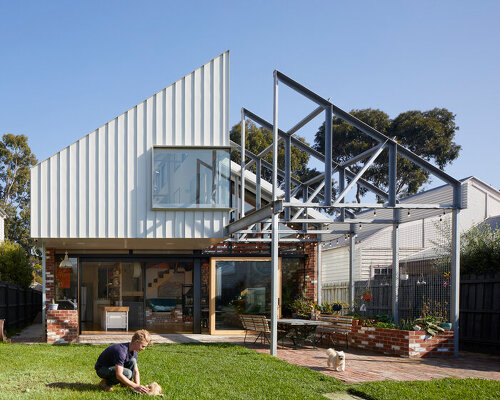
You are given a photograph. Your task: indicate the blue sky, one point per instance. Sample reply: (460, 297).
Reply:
(68, 67)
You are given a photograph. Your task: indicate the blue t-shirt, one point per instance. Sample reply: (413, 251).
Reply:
(116, 354)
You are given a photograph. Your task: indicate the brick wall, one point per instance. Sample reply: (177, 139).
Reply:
(61, 325)
(311, 271)
(50, 276)
(410, 344)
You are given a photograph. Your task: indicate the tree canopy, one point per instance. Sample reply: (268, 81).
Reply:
(15, 266)
(16, 159)
(428, 134)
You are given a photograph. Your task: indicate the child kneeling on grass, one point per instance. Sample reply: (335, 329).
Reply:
(118, 363)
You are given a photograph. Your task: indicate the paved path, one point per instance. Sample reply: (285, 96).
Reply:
(361, 366)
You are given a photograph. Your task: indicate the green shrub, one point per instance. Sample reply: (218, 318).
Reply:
(14, 264)
(480, 250)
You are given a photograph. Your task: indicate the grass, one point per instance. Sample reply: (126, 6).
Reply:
(208, 371)
(437, 389)
(214, 371)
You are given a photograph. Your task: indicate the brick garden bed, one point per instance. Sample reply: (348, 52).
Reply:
(412, 344)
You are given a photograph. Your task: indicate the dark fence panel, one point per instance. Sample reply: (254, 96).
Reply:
(480, 313)
(18, 306)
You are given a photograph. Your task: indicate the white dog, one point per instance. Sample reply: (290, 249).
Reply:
(336, 359)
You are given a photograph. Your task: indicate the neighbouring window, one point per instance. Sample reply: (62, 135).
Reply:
(191, 178)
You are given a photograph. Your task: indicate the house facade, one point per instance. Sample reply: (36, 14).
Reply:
(130, 219)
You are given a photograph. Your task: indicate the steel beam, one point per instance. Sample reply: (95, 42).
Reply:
(316, 154)
(253, 217)
(359, 157)
(305, 121)
(302, 90)
(402, 206)
(290, 132)
(359, 174)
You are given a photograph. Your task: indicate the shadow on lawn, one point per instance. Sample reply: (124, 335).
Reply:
(78, 386)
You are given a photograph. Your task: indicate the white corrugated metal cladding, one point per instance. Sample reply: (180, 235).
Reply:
(100, 186)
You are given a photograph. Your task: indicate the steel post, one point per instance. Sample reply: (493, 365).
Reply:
(455, 278)
(395, 267)
(243, 144)
(288, 167)
(328, 156)
(274, 235)
(392, 174)
(352, 243)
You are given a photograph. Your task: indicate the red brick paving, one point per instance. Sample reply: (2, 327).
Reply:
(364, 366)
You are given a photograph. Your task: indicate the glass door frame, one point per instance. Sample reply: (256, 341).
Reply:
(212, 292)
(198, 259)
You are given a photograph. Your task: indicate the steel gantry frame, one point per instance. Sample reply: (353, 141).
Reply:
(304, 220)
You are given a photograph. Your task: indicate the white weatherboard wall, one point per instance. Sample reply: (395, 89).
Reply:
(100, 186)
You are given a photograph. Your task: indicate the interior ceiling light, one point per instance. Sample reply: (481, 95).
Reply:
(65, 263)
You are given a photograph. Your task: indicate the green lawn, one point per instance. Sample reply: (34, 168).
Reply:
(213, 371)
(439, 389)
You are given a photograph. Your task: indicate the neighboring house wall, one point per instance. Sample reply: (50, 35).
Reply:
(481, 200)
(100, 186)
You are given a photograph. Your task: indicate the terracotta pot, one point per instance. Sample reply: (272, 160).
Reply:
(367, 296)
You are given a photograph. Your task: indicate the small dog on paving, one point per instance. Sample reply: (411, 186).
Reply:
(336, 359)
(154, 389)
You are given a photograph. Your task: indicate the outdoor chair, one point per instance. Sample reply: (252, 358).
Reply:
(260, 325)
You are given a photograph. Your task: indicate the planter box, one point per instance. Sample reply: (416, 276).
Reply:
(410, 344)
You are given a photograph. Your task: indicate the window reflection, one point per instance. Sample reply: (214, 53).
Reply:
(242, 287)
(191, 178)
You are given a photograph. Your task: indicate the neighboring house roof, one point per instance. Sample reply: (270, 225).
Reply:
(3, 214)
(493, 222)
(426, 254)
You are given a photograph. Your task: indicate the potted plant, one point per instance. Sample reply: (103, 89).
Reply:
(302, 308)
(367, 296)
(53, 305)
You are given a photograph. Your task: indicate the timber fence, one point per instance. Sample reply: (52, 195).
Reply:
(18, 305)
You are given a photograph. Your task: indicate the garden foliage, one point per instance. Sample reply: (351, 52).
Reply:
(15, 266)
(480, 250)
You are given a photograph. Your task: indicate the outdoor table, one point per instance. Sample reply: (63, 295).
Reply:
(300, 330)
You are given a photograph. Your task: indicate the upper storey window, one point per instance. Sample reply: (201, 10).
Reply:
(191, 177)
